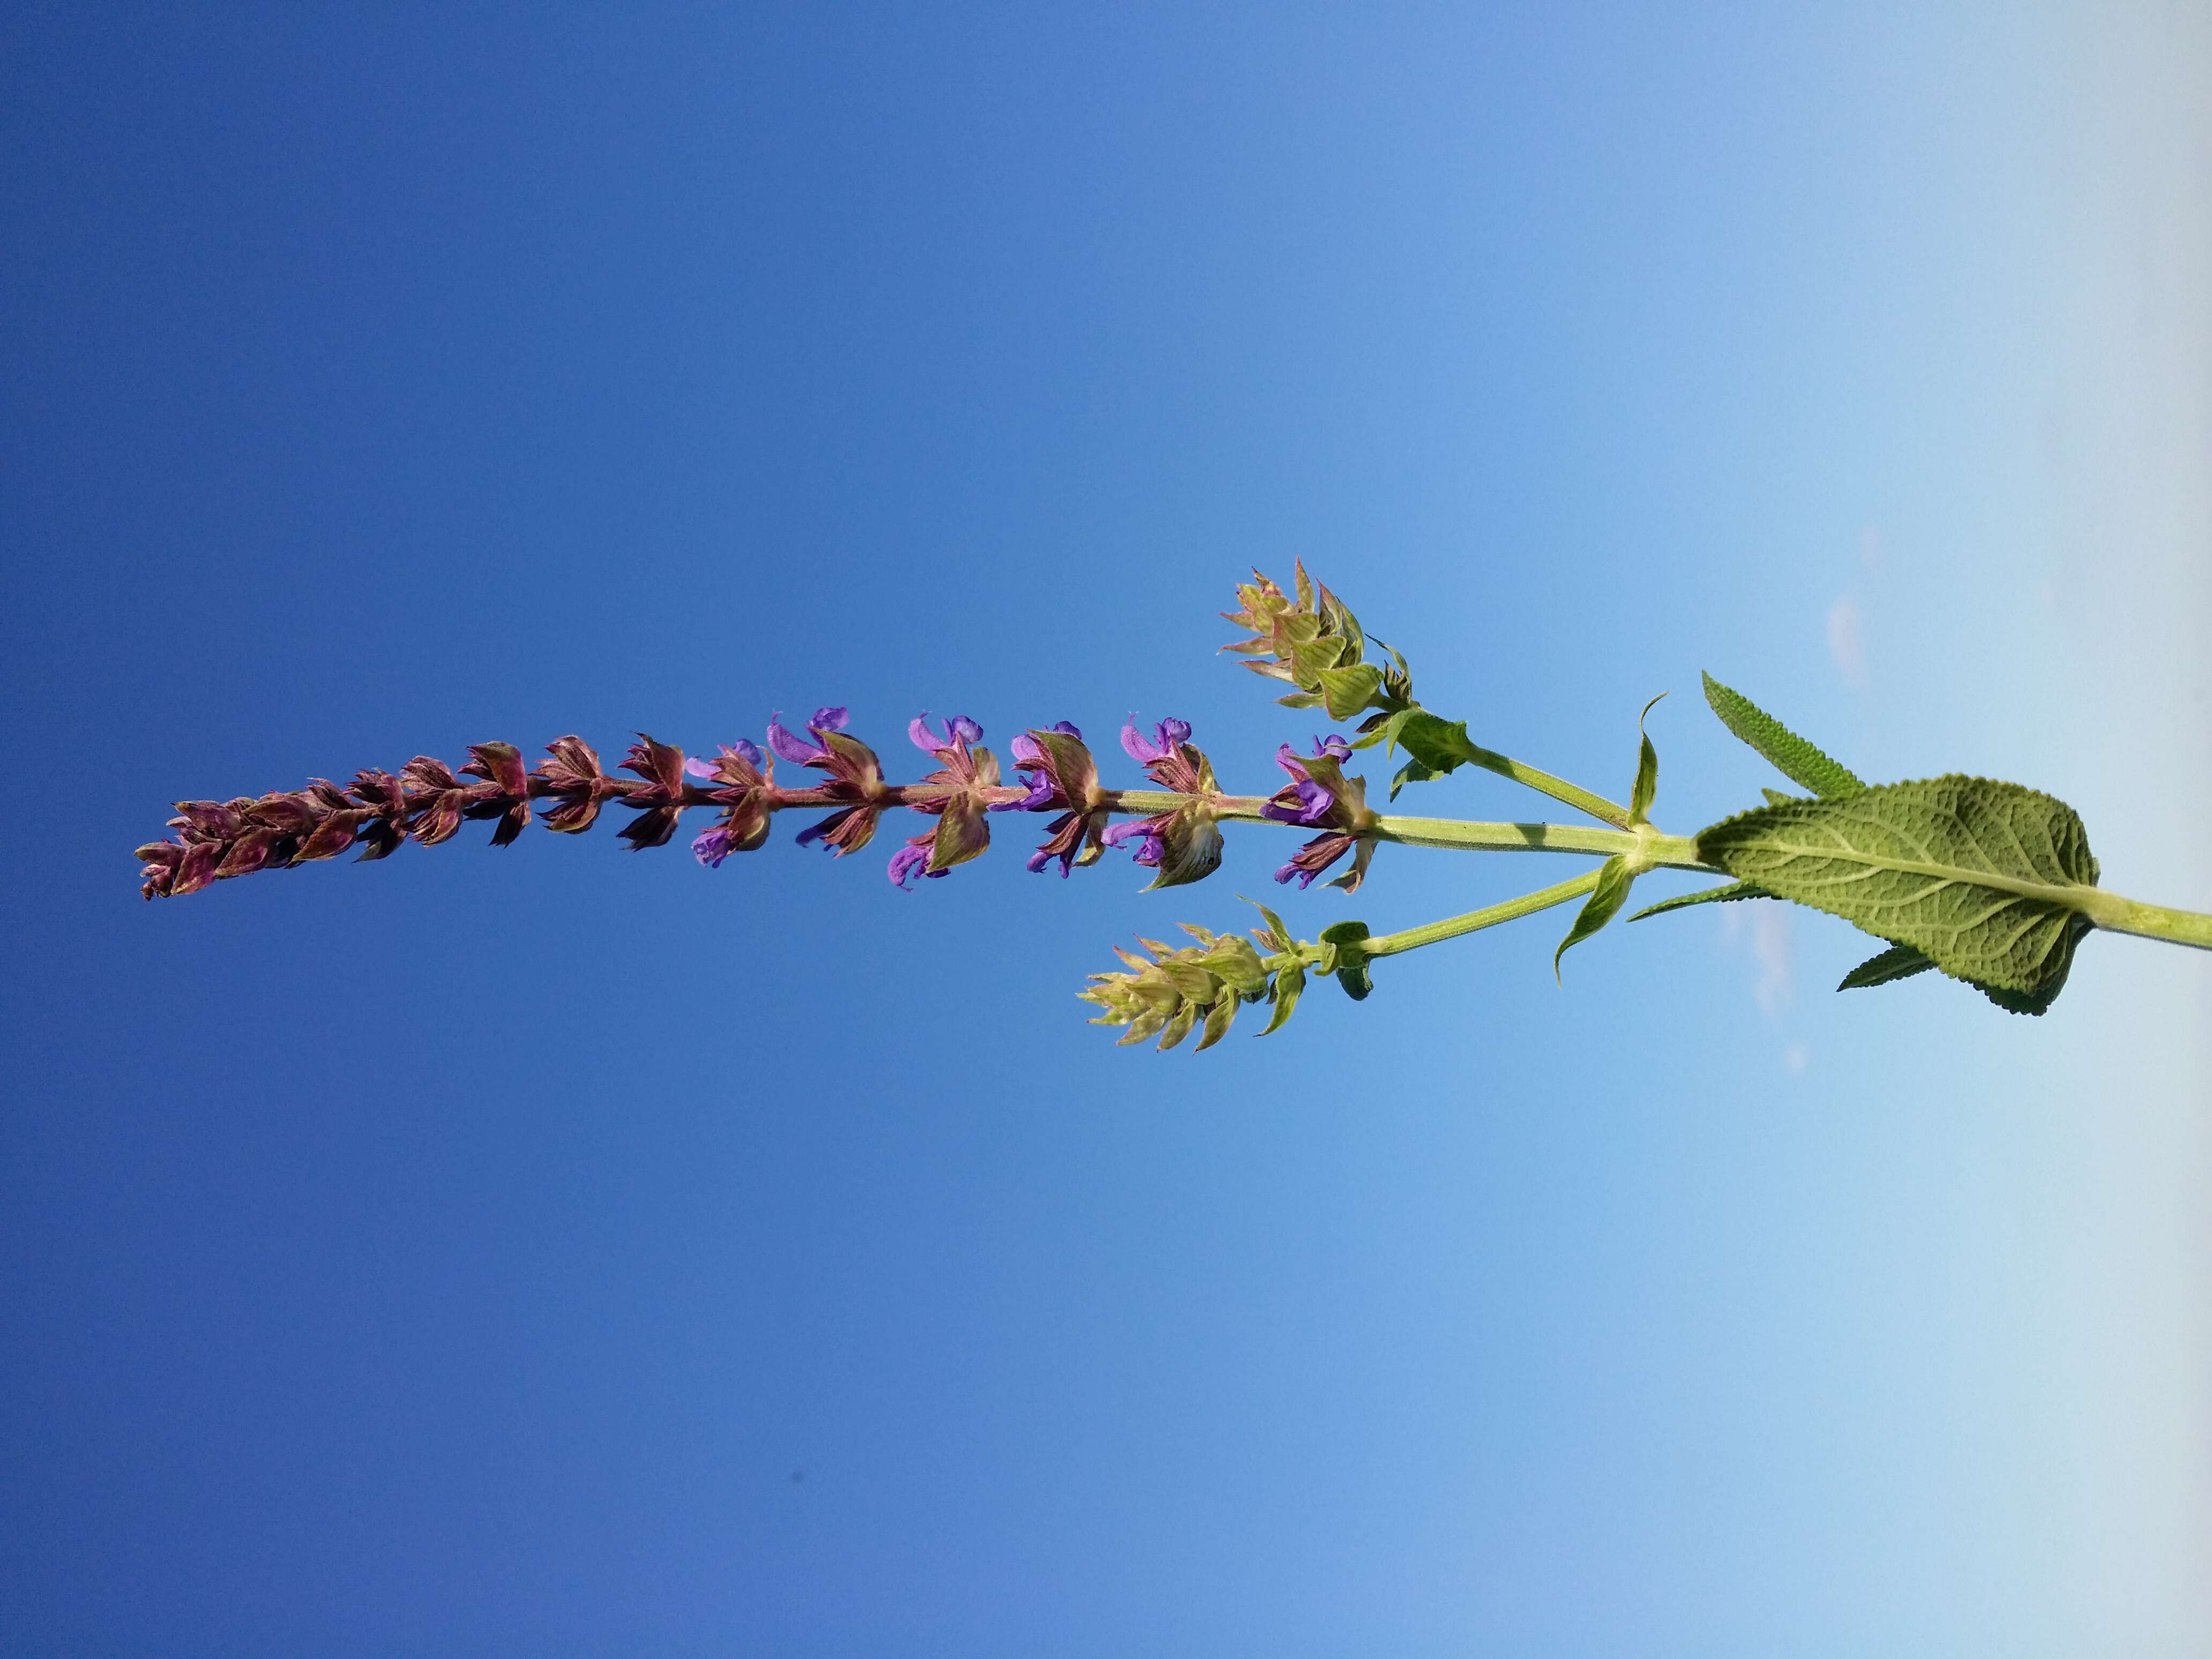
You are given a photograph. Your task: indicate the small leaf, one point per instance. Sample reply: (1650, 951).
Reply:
(1990, 880)
(1903, 962)
(1290, 986)
(1412, 772)
(1795, 758)
(1727, 893)
(1350, 966)
(1604, 902)
(1216, 1024)
(1346, 691)
(1647, 771)
(1284, 939)
(1438, 745)
(1899, 961)
(1384, 729)
(1776, 798)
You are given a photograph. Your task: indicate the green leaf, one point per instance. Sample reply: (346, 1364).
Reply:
(1903, 962)
(1438, 745)
(1614, 882)
(1350, 960)
(1795, 758)
(1990, 880)
(1346, 691)
(1776, 798)
(1310, 657)
(1284, 938)
(1412, 772)
(1216, 1024)
(1646, 789)
(1290, 986)
(1384, 729)
(1899, 961)
(1727, 893)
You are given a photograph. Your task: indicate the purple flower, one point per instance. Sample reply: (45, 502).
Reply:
(962, 730)
(1153, 848)
(704, 769)
(1036, 770)
(798, 750)
(1042, 795)
(713, 845)
(1324, 850)
(1166, 736)
(906, 860)
(1310, 806)
(1308, 800)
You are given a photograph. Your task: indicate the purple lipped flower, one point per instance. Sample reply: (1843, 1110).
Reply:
(962, 731)
(1324, 850)
(1037, 772)
(708, 770)
(797, 750)
(1152, 846)
(1312, 796)
(911, 858)
(1058, 774)
(712, 846)
(1166, 736)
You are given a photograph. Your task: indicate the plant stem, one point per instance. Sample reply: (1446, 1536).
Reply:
(1389, 945)
(2127, 915)
(1652, 850)
(1558, 788)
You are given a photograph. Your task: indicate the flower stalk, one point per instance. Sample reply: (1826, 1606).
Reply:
(1990, 882)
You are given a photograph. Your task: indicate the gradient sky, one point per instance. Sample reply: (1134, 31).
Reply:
(559, 1251)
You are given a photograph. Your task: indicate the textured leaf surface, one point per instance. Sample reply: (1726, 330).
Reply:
(1726, 893)
(1987, 879)
(1899, 961)
(1795, 758)
(1604, 902)
(1646, 788)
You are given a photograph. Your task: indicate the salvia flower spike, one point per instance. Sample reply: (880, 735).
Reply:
(1989, 883)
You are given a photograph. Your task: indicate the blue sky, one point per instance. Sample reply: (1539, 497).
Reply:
(561, 1251)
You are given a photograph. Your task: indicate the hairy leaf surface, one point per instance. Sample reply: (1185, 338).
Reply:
(1795, 758)
(1726, 893)
(1614, 881)
(1987, 879)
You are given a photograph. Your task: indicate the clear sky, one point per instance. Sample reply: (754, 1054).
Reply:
(561, 1251)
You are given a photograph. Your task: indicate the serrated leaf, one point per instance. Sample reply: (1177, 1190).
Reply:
(1990, 880)
(1792, 756)
(1776, 798)
(1646, 789)
(1899, 961)
(1903, 962)
(1727, 893)
(1604, 902)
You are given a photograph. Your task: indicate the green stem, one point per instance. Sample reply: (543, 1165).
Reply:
(1648, 847)
(2127, 915)
(1388, 945)
(1560, 789)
